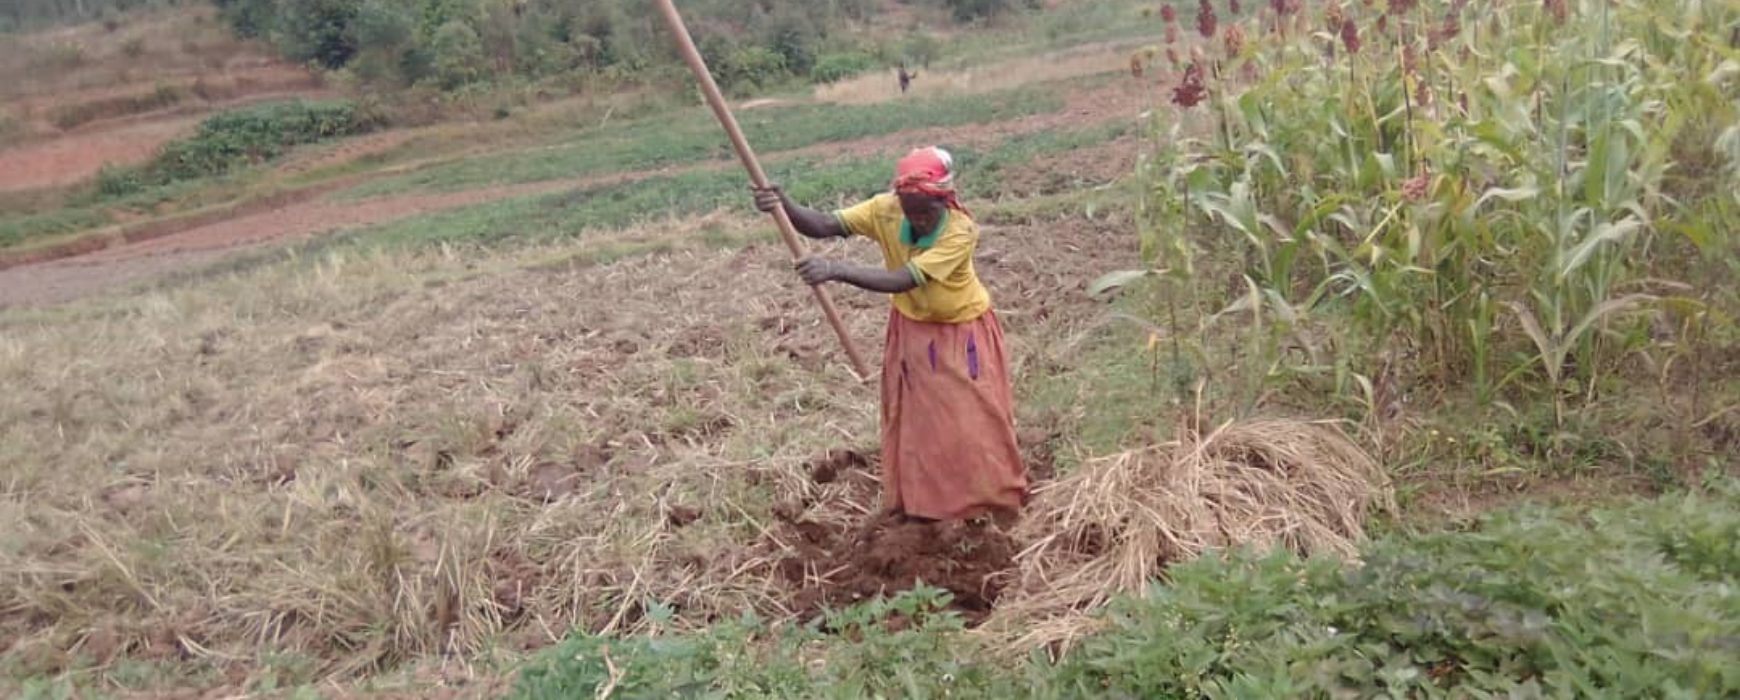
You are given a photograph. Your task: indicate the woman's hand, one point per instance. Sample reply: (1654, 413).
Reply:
(808, 222)
(768, 198)
(818, 270)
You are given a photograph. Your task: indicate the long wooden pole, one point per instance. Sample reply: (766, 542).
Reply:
(692, 56)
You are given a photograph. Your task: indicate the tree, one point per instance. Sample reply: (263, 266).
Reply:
(318, 30)
(458, 55)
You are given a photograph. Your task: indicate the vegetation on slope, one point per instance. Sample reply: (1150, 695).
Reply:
(451, 44)
(1627, 602)
(1509, 204)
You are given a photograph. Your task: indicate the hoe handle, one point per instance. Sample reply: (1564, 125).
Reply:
(692, 56)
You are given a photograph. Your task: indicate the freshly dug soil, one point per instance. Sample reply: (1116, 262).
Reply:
(838, 564)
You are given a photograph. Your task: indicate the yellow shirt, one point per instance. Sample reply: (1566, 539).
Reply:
(948, 288)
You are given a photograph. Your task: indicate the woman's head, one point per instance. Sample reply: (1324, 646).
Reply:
(925, 182)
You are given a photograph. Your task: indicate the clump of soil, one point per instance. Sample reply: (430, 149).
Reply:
(682, 516)
(835, 561)
(838, 462)
(837, 566)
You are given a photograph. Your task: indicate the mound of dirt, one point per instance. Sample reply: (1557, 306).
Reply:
(835, 567)
(832, 563)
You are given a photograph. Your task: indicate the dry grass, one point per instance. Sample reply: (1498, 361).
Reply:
(369, 461)
(147, 46)
(1113, 526)
(369, 458)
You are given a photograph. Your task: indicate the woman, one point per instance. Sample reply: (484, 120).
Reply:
(948, 409)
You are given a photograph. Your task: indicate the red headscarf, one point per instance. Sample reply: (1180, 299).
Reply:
(929, 170)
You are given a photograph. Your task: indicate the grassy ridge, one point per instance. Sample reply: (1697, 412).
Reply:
(818, 183)
(1508, 607)
(693, 136)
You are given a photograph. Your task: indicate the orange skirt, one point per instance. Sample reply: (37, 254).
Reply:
(948, 420)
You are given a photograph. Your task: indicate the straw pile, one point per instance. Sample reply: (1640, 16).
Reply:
(1114, 525)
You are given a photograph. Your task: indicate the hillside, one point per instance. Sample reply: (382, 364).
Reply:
(325, 384)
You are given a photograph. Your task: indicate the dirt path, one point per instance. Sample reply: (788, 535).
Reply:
(110, 268)
(131, 263)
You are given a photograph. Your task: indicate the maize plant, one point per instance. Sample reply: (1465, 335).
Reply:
(1485, 199)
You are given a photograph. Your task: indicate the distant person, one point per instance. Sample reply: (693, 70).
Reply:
(948, 407)
(905, 78)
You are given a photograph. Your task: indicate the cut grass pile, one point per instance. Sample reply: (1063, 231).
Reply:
(1113, 526)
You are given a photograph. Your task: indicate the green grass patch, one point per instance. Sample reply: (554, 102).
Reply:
(618, 205)
(87, 211)
(1112, 390)
(693, 136)
(14, 231)
(1635, 601)
(818, 184)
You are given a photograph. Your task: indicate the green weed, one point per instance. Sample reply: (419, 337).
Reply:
(854, 653)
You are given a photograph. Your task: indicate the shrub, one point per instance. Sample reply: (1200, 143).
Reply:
(919, 48)
(115, 182)
(250, 18)
(318, 31)
(385, 33)
(254, 134)
(457, 56)
(750, 68)
(533, 37)
(238, 137)
(833, 67)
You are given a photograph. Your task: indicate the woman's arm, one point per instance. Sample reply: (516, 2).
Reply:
(820, 270)
(809, 222)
